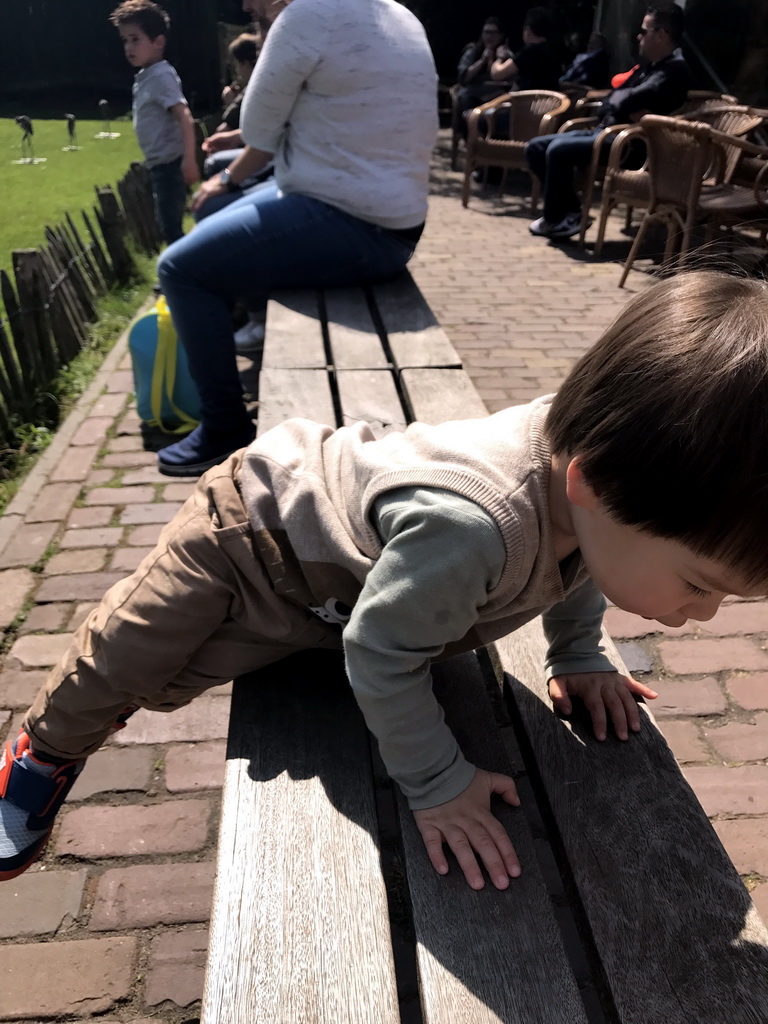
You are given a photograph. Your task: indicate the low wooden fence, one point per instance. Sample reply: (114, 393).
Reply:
(53, 300)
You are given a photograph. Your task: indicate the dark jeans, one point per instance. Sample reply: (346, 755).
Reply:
(554, 159)
(170, 194)
(263, 241)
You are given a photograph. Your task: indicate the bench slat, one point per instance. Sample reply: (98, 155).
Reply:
(415, 337)
(355, 344)
(439, 395)
(475, 947)
(299, 930)
(294, 336)
(284, 393)
(675, 929)
(370, 395)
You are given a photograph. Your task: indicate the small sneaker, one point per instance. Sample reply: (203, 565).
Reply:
(31, 792)
(202, 449)
(250, 337)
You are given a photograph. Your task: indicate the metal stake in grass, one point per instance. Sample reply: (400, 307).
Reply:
(106, 132)
(71, 132)
(27, 152)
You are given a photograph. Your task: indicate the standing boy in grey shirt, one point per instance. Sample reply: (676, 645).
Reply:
(161, 117)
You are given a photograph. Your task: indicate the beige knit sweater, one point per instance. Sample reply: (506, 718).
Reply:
(342, 522)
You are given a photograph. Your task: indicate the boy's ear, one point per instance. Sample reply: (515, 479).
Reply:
(579, 492)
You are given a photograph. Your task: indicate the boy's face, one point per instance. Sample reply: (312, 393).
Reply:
(140, 50)
(648, 575)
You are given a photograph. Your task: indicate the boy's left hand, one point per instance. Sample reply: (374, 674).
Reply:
(190, 171)
(603, 693)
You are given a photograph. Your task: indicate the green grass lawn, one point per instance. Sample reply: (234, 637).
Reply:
(32, 197)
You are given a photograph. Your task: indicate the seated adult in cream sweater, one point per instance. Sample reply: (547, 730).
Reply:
(343, 99)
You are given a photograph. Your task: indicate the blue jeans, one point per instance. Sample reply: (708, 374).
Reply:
(265, 240)
(554, 160)
(170, 194)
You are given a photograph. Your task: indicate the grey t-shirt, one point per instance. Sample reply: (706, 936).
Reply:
(155, 90)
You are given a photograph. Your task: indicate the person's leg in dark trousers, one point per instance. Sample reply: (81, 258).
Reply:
(554, 159)
(170, 195)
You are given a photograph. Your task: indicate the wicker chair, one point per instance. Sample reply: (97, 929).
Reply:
(728, 204)
(529, 113)
(700, 99)
(680, 155)
(632, 187)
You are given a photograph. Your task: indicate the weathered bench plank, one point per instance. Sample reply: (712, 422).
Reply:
(298, 854)
(354, 341)
(371, 396)
(415, 337)
(284, 393)
(676, 932)
(435, 396)
(488, 957)
(294, 334)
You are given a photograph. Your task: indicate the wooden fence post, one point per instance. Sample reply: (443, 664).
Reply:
(15, 397)
(67, 330)
(112, 223)
(90, 265)
(33, 298)
(24, 352)
(105, 267)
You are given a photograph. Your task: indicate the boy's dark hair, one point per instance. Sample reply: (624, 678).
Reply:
(671, 19)
(538, 20)
(245, 48)
(668, 413)
(150, 17)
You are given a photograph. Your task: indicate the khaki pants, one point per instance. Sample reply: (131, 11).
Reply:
(199, 611)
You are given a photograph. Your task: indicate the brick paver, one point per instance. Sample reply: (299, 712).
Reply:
(135, 849)
(174, 826)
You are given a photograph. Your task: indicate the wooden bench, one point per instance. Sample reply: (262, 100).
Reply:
(326, 910)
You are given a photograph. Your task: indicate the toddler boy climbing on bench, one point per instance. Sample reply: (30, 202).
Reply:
(644, 479)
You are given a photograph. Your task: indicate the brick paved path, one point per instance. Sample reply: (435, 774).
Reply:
(113, 920)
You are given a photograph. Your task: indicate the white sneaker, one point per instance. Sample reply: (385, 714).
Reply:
(568, 226)
(541, 227)
(250, 337)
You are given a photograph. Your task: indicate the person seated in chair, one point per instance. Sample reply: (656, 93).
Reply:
(658, 86)
(474, 71)
(589, 70)
(226, 143)
(536, 65)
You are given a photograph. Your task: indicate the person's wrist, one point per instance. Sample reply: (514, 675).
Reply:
(225, 178)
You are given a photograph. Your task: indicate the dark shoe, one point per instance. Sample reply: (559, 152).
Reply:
(202, 449)
(31, 792)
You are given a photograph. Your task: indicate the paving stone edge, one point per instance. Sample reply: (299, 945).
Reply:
(15, 513)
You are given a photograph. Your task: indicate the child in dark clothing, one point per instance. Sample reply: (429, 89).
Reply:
(644, 479)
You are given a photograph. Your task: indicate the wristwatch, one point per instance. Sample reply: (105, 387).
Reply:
(226, 180)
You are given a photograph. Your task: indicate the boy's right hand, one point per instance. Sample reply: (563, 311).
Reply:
(468, 826)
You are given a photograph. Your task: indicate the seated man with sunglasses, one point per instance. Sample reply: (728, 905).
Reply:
(658, 86)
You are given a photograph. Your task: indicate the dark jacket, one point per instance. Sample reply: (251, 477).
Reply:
(658, 88)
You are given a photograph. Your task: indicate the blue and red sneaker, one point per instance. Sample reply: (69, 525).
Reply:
(32, 790)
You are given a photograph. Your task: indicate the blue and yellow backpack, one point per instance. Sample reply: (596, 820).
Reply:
(166, 395)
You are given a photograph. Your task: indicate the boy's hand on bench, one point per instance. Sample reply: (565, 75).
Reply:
(467, 825)
(603, 693)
